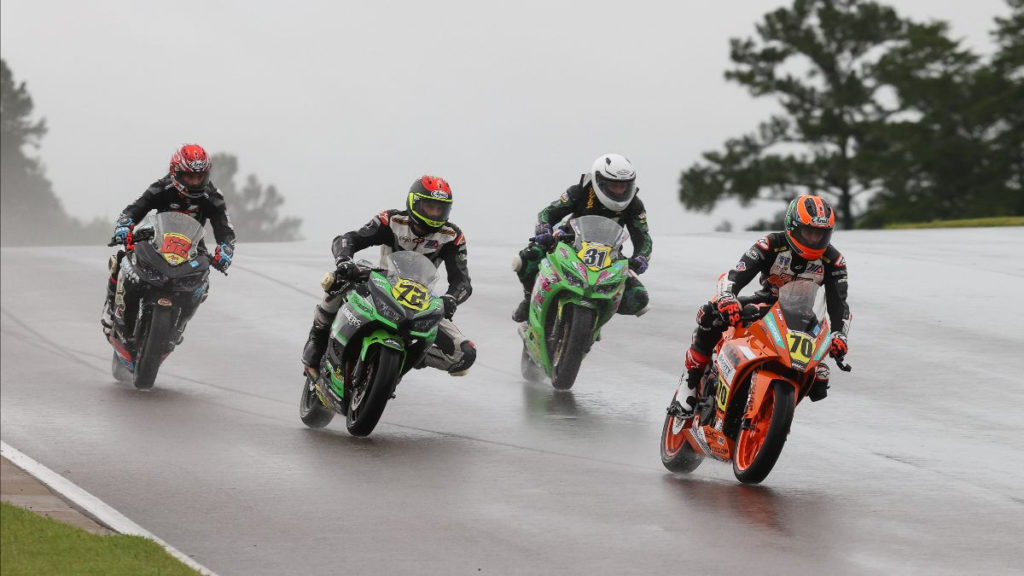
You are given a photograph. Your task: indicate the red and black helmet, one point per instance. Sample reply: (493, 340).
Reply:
(809, 224)
(430, 202)
(190, 170)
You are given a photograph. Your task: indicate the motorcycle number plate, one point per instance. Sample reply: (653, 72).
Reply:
(175, 248)
(595, 256)
(411, 294)
(801, 346)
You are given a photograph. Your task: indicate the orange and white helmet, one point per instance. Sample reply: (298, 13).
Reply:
(809, 224)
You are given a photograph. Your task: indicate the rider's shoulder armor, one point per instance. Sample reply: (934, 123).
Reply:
(429, 245)
(784, 265)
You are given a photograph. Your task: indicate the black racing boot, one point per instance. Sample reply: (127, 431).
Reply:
(522, 313)
(315, 347)
(819, 390)
(107, 316)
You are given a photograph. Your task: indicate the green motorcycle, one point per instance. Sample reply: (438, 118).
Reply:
(384, 329)
(578, 289)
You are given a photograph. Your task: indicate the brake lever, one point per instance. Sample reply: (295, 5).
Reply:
(842, 366)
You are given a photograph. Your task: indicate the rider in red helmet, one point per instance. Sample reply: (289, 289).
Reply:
(422, 227)
(803, 250)
(186, 188)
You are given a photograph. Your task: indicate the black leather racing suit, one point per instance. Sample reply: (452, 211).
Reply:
(774, 260)
(391, 230)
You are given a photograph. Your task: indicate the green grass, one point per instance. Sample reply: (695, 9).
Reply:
(966, 223)
(31, 544)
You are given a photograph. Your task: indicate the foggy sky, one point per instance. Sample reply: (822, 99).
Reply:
(343, 105)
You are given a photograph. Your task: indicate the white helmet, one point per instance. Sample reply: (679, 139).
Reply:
(614, 180)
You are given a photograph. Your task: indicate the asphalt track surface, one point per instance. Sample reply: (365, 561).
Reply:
(914, 464)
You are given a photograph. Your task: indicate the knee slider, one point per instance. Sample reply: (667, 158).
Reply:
(468, 356)
(322, 318)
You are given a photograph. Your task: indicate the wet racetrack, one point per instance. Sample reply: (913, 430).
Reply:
(913, 465)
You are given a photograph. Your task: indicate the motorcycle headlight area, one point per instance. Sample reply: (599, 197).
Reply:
(609, 288)
(425, 323)
(388, 308)
(571, 276)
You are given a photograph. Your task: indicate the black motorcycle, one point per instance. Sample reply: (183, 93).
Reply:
(163, 277)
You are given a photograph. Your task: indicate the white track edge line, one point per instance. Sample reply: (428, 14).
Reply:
(93, 505)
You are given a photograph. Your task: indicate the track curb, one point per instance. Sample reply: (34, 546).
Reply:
(92, 505)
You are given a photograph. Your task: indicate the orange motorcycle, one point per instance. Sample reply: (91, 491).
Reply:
(758, 374)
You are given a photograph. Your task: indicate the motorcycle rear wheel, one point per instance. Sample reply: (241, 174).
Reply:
(759, 445)
(379, 379)
(676, 453)
(120, 372)
(152, 344)
(312, 411)
(531, 372)
(574, 341)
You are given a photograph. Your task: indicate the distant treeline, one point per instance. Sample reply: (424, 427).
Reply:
(889, 119)
(31, 213)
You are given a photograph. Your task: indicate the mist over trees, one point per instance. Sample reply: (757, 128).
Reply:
(31, 212)
(889, 119)
(254, 208)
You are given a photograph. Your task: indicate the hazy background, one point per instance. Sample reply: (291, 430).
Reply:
(343, 105)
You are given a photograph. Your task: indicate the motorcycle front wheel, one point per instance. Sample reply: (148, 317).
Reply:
(311, 410)
(376, 384)
(760, 442)
(576, 336)
(151, 344)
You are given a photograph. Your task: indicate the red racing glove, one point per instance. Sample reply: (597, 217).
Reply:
(838, 348)
(729, 308)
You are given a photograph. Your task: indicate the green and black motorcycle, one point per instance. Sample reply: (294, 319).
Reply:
(385, 327)
(578, 289)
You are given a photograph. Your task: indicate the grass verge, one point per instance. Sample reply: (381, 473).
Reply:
(966, 223)
(31, 544)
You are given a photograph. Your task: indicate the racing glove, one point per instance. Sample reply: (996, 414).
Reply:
(838, 348)
(346, 268)
(638, 264)
(450, 305)
(543, 237)
(222, 257)
(729, 308)
(123, 230)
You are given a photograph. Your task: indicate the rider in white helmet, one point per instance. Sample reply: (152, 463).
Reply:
(608, 190)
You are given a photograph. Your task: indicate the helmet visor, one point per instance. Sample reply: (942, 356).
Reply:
(193, 181)
(431, 210)
(616, 190)
(813, 238)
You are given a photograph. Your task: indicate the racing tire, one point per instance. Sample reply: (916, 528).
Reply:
(531, 372)
(676, 453)
(759, 444)
(380, 376)
(576, 338)
(120, 372)
(312, 411)
(153, 344)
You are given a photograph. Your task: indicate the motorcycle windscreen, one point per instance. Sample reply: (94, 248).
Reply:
(412, 277)
(803, 306)
(598, 230)
(176, 235)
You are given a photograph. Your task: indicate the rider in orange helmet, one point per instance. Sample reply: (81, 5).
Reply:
(803, 250)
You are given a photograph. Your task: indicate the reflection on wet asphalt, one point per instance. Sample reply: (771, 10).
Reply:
(488, 473)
